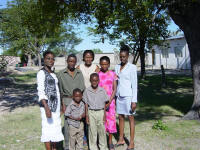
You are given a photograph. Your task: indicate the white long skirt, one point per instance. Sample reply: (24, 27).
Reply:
(51, 127)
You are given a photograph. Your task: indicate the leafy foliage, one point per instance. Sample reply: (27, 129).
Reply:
(159, 125)
(29, 27)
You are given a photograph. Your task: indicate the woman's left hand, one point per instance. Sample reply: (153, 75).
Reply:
(133, 106)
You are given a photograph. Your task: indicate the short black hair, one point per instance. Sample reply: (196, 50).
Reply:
(125, 48)
(90, 52)
(77, 90)
(47, 52)
(94, 75)
(106, 58)
(72, 55)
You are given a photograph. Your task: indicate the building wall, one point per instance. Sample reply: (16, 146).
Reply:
(11, 60)
(60, 62)
(172, 62)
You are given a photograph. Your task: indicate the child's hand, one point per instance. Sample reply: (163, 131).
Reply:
(104, 119)
(64, 108)
(87, 120)
(79, 118)
(108, 104)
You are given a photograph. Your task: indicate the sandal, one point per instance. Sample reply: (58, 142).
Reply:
(111, 147)
(121, 144)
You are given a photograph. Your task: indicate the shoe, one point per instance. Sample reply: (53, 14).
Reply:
(121, 144)
(84, 143)
(130, 149)
(111, 147)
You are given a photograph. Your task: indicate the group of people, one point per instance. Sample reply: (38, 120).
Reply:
(89, 96)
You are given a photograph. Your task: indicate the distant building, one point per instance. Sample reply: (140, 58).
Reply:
(11, 60)
(173, 55)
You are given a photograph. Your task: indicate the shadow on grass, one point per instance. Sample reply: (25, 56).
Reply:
(24, 78)
(178, 94)
(18, 95)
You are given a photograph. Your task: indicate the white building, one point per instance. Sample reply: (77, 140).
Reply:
(173, 55)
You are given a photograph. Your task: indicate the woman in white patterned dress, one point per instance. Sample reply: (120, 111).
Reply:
(49, 99)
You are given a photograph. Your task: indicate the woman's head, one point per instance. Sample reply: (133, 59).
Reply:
(104, 63)
(48, 58)
(88, 57)
(124, 54)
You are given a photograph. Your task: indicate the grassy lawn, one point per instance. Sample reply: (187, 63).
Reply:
(29, 77)
(21, 128)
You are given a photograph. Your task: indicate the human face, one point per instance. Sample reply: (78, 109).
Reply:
(77, 97)
(49, 60)
(123, 57)
(104, 65)
(94, 82)
(88, 59)
(71, 63)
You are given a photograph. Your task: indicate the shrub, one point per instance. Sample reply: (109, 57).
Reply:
(159, 125)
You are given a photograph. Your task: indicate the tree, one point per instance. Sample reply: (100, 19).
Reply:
(66, 41)
(97, 50)
(186, 14)
(28, 29)
(135, 20)
(36, 24)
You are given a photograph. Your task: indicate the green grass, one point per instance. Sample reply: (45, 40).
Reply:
(24, 78)
(21, 129)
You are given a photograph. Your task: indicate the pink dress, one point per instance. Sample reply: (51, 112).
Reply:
(106, 81)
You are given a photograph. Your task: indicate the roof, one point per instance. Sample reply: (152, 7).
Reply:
(176, 37)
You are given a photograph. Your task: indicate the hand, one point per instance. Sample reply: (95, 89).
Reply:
(133, 106)
(87, 120)
(104, 119)
(97, 69)
(107, 106)
(64, 108)
(48, 112)
(79, 118)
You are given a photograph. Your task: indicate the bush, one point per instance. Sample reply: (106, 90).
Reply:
(159, 125)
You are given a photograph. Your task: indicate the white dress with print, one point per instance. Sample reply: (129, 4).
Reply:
(51, 127)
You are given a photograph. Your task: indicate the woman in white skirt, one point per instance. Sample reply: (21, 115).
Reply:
(49, 99)
(126, 95)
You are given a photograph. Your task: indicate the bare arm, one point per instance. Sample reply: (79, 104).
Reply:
(86, 114)
(46, 108)
(104, 116)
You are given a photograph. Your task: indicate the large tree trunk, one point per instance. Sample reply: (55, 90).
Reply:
(30, 61)
(142, 58)
(39, 60)
(186, 14)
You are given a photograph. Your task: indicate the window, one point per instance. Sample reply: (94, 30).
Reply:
(178, 51)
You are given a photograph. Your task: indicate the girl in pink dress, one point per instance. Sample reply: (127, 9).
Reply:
(108, 82)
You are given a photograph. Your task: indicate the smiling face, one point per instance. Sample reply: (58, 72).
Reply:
(77, 96)
(71, 63)
(88, 58)
(49, 60)
(123, 57)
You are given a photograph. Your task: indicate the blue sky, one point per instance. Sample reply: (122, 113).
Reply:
(87, 42)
